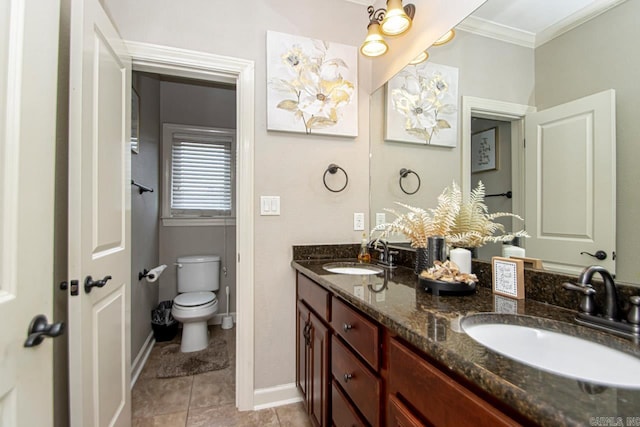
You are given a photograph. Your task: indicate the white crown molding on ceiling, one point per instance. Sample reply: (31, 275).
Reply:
(516, 36)
(487, 28)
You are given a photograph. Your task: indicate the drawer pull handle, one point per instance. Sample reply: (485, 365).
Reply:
(346, 327)
(347, 377)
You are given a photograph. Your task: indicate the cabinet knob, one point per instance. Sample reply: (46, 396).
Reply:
(346, 327)
(347, 377)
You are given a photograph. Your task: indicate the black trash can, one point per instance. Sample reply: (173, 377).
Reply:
(164, 326)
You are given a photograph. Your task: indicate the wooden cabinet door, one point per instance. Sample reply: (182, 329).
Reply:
(302, 351)
(318, 368)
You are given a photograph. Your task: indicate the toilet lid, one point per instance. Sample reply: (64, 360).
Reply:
(194, 299)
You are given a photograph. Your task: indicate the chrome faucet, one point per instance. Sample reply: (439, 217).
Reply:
(611, 295)
(385, 258)
(609, 320)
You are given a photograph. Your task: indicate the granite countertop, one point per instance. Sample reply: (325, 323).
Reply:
(432, 324)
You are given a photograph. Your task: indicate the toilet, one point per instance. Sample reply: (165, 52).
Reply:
(196, 303)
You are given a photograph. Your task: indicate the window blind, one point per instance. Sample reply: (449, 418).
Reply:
(201, 174)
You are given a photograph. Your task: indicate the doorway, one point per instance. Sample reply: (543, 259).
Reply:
(214, 68)
(495, 171)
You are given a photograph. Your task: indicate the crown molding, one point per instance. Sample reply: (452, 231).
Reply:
(483, 27)
(574, 20)
(362, 2)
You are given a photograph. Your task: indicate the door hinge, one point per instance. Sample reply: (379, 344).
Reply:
(74, 288)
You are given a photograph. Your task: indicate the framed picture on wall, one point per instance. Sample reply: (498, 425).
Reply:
(484, 150)
(422, 105)
(312, 86)
(135, 121)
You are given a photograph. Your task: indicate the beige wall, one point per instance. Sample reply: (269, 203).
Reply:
(144, 210)
(599, 55)
(288, 165)
(487, 69)
(190, 103)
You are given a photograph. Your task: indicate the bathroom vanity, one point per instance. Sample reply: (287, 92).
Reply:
(379, 350)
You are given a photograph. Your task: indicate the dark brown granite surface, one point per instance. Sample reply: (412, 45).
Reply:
(432, 324)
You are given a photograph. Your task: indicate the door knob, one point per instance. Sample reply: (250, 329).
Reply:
(599, 255)
(90, 283)
(40, 328)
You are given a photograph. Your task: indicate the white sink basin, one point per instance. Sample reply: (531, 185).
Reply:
(557, 353)
(353, 268)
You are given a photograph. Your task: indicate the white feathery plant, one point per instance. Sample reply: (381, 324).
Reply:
(463, 224)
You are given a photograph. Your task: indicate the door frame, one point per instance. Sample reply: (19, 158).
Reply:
(206, 66)
(496, 110)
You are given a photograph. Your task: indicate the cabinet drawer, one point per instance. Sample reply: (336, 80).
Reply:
(342, 413)
(362, 386)
(399, 416)
(315, 296)
(355, 329)
(439, 399)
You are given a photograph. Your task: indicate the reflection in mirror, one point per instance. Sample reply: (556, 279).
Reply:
(575, 64)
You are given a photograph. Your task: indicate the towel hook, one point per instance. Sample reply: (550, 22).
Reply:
(332, 169)
(404, 172)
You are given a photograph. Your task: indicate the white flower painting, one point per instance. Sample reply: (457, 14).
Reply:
(311, 86)
(422, 105)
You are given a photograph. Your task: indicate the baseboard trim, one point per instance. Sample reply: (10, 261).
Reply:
(276, 396)
(141, 358)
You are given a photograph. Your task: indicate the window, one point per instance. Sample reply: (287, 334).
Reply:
(199, 170)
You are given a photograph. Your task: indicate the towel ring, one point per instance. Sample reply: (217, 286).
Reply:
(332, 169)
(403, 174)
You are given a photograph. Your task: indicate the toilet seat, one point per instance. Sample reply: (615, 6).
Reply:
(195, 300)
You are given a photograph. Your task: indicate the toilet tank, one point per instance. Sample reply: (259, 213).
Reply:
(198, 273)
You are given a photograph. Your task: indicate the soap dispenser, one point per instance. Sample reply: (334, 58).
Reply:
(363, 255)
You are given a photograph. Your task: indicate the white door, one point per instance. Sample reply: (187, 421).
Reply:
(28, 81)
(571, 183)
(99, 220)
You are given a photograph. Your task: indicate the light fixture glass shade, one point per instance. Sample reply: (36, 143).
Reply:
(374, 44)
(422, 56)
(446, 38)
(395, 21)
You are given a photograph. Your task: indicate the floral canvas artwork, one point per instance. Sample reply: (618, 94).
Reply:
(311, 86)
(422, 105)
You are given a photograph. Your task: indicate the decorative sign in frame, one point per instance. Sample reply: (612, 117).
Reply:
(508, 277)
(484, 150)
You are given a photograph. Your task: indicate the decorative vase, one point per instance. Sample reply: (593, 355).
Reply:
(435, 250)
(422, 260)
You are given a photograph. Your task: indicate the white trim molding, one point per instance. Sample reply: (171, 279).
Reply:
(483, 27)
(241, 72)
(495, 110)
(276, 396)
(486, 28)
(141, 358)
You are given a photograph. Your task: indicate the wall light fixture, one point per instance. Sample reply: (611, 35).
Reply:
(392, 21)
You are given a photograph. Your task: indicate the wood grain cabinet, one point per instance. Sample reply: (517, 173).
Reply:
(312, 355)
(435, 397)
(353, 372)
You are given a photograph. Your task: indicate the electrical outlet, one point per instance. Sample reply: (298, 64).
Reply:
(381, 218)
(358, 221)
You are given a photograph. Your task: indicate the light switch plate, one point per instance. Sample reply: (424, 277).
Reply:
(358, 221)
(269, 205)
(381, 218)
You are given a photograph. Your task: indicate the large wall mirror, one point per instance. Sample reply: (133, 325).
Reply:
(597, 55)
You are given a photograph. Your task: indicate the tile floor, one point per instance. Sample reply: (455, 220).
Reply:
(206, 399)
